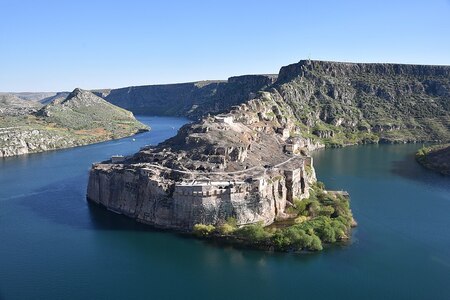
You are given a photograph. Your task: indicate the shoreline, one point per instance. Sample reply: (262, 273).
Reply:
(140, 131)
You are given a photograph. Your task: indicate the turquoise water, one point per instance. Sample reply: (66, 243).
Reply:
(54, 245)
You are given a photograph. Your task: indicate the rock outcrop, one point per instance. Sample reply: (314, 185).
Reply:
(18, 141)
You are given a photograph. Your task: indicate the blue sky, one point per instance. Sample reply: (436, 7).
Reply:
(60, 45)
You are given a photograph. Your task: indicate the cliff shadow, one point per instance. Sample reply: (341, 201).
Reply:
(65, 203)
(410, 169)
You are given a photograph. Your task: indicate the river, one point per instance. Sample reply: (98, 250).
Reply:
(54, 245)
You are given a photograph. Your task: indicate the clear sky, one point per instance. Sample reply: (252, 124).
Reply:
(59, 45)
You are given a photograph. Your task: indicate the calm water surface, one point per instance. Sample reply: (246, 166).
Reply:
(54, 245)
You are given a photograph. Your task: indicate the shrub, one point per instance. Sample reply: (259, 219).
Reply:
(326, 199)
(203, 230)
(232, 222)
(327, 233)
(226, 229)
(316, 243)
(293, 238)
(280, 240)
(314, 208)
(253, 232)
(326, 211)
(301, 206)
(339, 228)
(301, 219)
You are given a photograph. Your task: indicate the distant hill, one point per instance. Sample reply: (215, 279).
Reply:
(41, 97)
(79, 119)
(12, 105)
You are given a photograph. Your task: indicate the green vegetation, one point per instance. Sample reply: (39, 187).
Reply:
(422, 153)
(228, 227)
(203, 230)
(255, 233)
(324, 217)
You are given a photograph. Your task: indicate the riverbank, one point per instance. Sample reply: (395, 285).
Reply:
(436, 158)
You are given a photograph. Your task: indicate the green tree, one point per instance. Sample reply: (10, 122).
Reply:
(203, 229)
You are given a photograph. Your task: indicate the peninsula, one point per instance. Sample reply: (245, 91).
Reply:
(229, 176)
(243, 171)
(79, 118)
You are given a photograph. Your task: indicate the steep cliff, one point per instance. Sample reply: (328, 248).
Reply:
(337, 103)
(352, 103)
(193, 100)
(81, 118)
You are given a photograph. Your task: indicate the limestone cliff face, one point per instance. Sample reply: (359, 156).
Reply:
(249, 164)
(140, 194)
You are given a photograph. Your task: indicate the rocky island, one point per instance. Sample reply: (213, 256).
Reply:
(76, 119)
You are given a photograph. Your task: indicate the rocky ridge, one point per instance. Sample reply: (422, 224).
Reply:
(356, 103)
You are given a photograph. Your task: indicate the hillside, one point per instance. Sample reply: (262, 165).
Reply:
(332, 103)
(81, 118)
(193, 100)
(336, 103)
(348, 102)
(39, 97)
